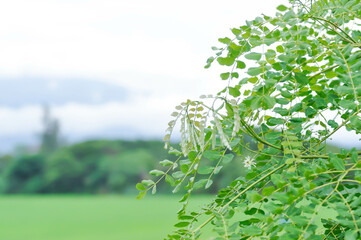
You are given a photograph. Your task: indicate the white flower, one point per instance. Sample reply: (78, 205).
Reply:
(249, 162)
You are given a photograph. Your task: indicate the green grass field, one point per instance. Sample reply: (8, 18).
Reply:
(88, 217)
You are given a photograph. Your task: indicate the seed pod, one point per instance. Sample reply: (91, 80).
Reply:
(222, 136)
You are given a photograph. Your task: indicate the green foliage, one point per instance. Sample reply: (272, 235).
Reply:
(63, 172)
(88, 167)
(24, 175)
(301, 87)
(101, 167)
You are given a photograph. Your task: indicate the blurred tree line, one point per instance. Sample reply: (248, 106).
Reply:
(99, 166)
(89, 167)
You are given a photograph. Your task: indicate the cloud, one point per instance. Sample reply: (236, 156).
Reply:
(18, 121)
(31, 91)
(104, 39)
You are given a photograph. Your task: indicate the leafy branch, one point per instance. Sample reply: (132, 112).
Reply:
(274, 119)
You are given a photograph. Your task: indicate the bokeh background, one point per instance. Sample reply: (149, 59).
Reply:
(86, 91)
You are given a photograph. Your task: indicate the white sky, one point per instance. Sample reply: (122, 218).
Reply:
(155, 49)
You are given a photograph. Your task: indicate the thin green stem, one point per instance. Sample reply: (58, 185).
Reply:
(239, 194)
(335, 26)
(323, 71)
(253, 134)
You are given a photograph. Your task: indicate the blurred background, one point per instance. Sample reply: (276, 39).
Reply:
(86, 92)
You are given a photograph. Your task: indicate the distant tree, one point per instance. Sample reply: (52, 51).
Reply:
(50, 137)
(24, 175)
(115, 172)
(5, 160)
(63, 172)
